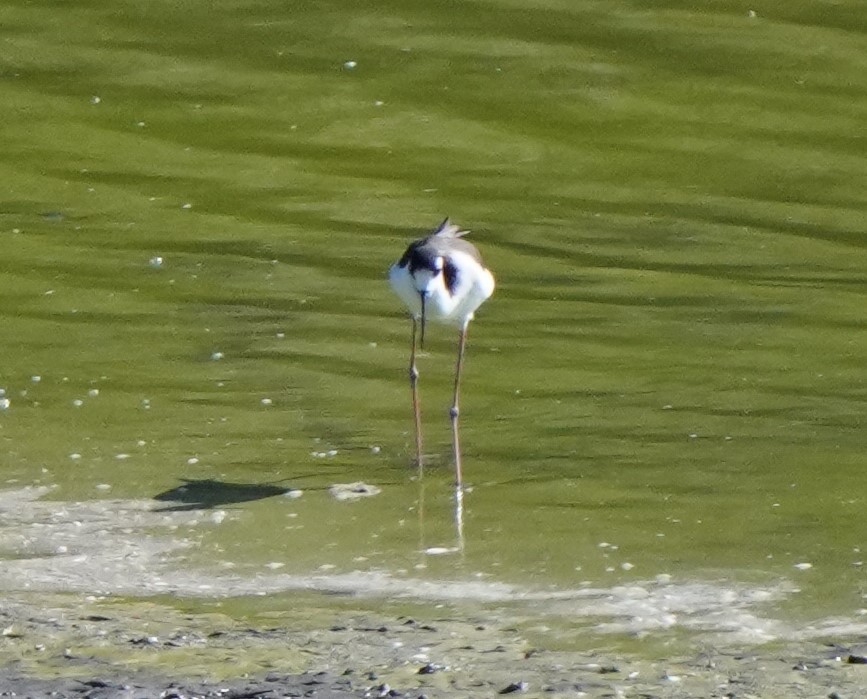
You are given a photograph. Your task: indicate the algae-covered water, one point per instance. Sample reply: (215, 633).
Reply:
(200, 201)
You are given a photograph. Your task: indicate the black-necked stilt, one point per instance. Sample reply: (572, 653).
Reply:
(441, 277)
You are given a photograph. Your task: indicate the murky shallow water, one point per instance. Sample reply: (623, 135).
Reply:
(129, 548)
(198, 213)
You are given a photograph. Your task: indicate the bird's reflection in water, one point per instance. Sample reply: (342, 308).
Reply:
(458, 545)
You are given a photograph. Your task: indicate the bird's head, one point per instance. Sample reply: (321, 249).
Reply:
(425, 273)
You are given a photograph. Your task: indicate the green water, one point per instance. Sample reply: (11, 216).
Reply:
(673, 204)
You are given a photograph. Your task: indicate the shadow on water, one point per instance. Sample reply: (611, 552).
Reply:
(206, 493)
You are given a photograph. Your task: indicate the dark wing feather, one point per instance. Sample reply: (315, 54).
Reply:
(450, 273)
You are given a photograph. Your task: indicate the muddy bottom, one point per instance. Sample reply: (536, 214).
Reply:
(102, 648)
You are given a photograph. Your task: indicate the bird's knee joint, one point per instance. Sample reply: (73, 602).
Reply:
(413, 374)
(454, 411)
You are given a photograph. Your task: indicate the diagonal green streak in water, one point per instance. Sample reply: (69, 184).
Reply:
(199, 201)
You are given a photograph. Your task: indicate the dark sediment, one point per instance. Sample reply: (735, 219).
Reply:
(318, 686)
(144, 650)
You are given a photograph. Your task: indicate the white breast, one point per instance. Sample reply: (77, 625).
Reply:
(404, 286)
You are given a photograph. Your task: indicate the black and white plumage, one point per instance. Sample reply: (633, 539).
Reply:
(441, 277)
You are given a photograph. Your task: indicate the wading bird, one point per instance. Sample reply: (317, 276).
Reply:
(440, 277)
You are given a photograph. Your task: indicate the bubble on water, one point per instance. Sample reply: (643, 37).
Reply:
(93, 392)
(95, 100)
(5, 403)
(803, 566)
(186, 205)
(375, 449)
(36, 378)
(103, 486)
(349, 65)
(156, 261)
(75, 456)
(217, 356)
(353, 491)
(78, 402)
(121, 456)
(294, 493)
(193, 460)
(267, 401)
